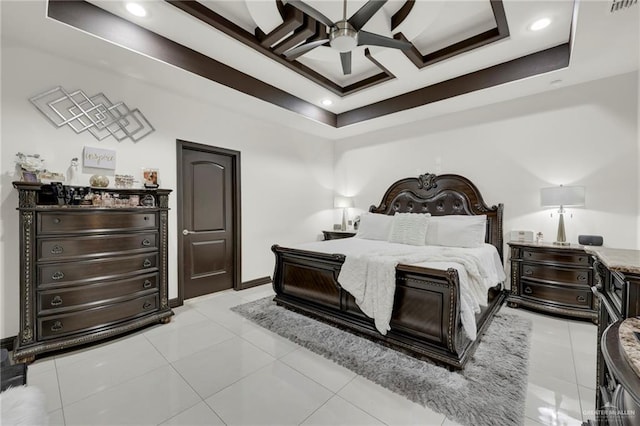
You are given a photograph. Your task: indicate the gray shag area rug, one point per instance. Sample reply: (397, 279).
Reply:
(491, 390)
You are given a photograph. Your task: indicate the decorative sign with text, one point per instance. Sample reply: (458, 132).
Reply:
(99, 158)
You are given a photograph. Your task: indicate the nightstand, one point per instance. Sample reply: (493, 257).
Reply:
(336, 235)
(552, 279)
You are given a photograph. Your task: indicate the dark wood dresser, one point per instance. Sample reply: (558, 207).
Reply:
(552, 279)
(89, 272)
(617, 285)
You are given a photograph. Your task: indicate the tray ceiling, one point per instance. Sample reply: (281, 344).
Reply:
(456, 47)
(463, 53)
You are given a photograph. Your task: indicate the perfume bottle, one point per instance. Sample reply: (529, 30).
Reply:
(539, 238)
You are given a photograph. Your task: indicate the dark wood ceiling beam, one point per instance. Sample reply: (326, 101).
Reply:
(373, 80)
(500, 32)
(227, 27)
(537, 63)
(297, 37)
(501, 17)
(294, 19)
(402, 14)
(94, 20)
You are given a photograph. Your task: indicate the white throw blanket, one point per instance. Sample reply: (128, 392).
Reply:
(371, 279)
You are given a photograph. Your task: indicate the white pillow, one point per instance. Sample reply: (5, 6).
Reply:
(409, 228)
(457, 231)
(374, 226)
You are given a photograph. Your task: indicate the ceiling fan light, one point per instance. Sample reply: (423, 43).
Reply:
(343, 38)
(344, 43)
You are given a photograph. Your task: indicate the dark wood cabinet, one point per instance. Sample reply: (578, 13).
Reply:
(552, 279)
(335, 235)
(89, 272)
(618, 288)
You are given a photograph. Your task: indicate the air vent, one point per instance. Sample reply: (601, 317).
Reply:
(619, 5)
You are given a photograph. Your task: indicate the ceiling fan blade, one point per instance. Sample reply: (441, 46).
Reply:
(372, 39)
(300, 50)
(365, 13)
(308, 10)
(345, 58)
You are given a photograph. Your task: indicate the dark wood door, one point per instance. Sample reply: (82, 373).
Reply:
(208, 222)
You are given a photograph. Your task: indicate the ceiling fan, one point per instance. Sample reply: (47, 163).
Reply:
(345, 34)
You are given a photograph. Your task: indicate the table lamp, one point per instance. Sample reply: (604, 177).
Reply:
(343, 203)
(562, 196)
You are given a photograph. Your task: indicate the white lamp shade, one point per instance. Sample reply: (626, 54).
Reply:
(342, 202)
(566, 196)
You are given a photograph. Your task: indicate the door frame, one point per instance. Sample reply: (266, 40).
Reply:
(237, 235)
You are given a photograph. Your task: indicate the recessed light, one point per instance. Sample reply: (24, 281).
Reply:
(540, 24)
(327, 102)
(136, 9)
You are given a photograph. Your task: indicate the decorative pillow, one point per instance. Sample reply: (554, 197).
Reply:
(457, 231)
(374, 226)
(409, 228)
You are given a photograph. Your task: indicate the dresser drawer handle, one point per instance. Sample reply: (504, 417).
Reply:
(146, 218)
(57, 249)
(528, 290)
(581, 259)
(528, 271)
(529, 254)
(56, 301)
(57, 275)
(57, 326)
(146, 242)
(147, 284)
(56, 220)
(582, 277)
(581, 299)
(147, 305)
(146, 263)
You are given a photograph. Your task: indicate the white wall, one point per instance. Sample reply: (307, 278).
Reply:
(581, 135)
(287, 176)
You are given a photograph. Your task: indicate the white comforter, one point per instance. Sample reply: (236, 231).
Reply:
(368, 273)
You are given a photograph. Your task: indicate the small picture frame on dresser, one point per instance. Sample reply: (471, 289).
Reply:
(150, 177)
(28, 176)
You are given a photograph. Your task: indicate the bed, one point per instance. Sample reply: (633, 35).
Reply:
(425, 319)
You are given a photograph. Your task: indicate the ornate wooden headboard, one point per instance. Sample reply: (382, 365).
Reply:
(442, 195)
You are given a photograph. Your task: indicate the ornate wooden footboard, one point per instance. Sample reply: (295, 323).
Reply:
(426, 313)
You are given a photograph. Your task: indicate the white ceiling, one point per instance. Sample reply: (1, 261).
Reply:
(604, 44)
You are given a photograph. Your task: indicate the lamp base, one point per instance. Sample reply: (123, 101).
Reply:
(561, 243)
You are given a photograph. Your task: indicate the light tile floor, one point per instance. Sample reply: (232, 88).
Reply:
(209, 366)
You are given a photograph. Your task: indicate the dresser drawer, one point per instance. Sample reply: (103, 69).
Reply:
(94, 221)
(92, 319)
(556, 257)
(576, 298)
(92, 270)
(85, 296)
(96, 245)
(556, 273)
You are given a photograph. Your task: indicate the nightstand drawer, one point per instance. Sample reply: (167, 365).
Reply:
(557, 295)
(555, 257)
(557, 274)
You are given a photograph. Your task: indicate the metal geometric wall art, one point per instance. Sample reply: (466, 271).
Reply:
(97, 114)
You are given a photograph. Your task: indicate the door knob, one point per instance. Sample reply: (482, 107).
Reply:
(187, 232)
